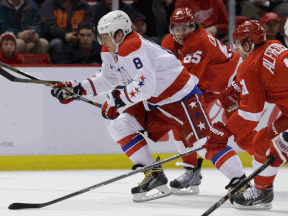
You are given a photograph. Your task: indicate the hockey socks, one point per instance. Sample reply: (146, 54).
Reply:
(136, 148)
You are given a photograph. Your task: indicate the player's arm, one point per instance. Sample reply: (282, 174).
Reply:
(251, 106)
(242, 122)
(102, 82)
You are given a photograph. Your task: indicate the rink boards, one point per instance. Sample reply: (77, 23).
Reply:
(39, 133)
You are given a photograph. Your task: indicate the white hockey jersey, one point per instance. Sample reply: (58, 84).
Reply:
(148, 71)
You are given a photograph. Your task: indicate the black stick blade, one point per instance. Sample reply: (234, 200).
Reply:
(7, 75)
(16, 206)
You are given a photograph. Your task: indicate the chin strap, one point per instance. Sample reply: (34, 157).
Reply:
(247, 53)
(118, 44)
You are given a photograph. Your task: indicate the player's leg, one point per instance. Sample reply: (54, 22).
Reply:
(191, 120)
(124, 131)
(189, 181)
(261, 195)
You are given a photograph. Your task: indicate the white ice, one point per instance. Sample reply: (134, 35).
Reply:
(115, 199)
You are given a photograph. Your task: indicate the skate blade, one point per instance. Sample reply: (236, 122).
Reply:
(191, 190)
(261, 206)
(163, 191)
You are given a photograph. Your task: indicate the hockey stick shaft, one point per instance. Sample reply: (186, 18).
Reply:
(38, 81)
(15, 206)
(239, 186)
(16, 79)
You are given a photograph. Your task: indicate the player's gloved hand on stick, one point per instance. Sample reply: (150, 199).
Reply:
(111, 105)
(231, 97)
(62, 90)
(279, 150)
(217, 138)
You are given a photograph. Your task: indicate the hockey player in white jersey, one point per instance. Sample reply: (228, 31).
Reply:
(159, 91)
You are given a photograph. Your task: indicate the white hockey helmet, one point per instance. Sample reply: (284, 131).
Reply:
(112, 22)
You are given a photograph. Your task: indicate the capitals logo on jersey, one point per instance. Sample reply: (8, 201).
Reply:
(125, 77)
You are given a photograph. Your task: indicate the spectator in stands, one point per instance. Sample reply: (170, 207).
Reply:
(60, 20)
(85, 50)
(211, 14)
(139, 25)
(105, 6)
(255, 9)
(38, 3)
(237, 6)
(157, 16)
(8, 54)
(31, 1)
(22, 18)
(271, 22)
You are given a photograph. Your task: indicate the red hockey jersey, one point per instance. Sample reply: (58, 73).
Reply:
(207, 58)
(263, 76)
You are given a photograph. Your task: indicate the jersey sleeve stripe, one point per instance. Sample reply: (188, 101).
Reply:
(250, 116)
(93, 87)
(176, 86)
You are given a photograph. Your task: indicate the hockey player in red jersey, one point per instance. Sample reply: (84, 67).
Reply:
(214, 67)
(211, 14)
(159, 91)
(263, 78)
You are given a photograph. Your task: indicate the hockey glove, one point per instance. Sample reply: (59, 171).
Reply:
(279, 150)
(231, 97)
(217, 138)
(63, 91)
(110, 107)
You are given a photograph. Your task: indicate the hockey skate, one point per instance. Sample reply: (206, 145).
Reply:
(188, 182)
(233, 183)
(154, 179)
(252, 198)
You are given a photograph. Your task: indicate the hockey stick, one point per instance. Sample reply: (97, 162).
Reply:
(15, 206)
(16, 79)
(38, 81)
(239, 186)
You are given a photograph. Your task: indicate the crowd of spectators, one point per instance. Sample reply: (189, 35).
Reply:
(66, 29)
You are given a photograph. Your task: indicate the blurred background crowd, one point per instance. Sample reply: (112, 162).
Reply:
(64, 31)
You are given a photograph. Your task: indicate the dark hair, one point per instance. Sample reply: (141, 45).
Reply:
(137, 16)
(86, 25)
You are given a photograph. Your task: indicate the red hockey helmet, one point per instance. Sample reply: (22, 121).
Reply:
(254, 29)
(182, 15)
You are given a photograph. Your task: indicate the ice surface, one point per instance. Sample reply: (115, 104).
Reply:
(116, 199)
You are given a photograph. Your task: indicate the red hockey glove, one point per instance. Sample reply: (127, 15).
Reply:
(110, 107)
(62, 91)
(217, 138)
(279, 150)
(231, 97)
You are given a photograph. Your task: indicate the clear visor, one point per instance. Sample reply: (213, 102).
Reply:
(234, 45)
(102, 38)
